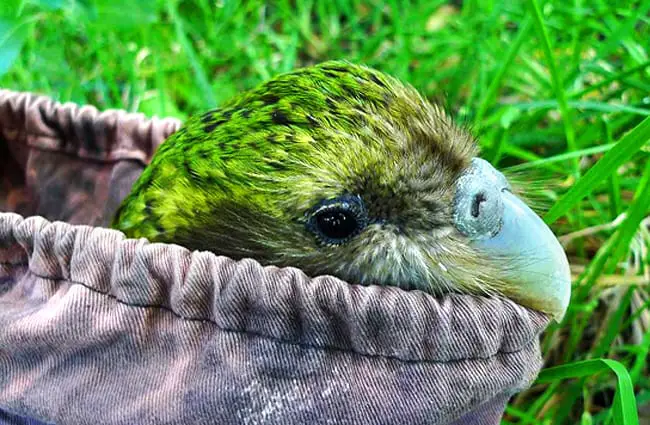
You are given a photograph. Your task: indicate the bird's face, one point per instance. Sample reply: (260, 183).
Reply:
(339, 169)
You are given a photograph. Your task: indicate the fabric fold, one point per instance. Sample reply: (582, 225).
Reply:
(69, 162)
(81, 131)
(157, 328)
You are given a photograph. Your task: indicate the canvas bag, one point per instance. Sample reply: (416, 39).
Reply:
(99, 329)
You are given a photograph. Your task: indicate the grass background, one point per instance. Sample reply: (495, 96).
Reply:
(552, 89)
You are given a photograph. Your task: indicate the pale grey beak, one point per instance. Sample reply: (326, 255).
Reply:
(506, 230)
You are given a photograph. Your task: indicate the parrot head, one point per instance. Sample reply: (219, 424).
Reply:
(339, 169)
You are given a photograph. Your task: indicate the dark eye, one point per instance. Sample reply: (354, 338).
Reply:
(335, 221)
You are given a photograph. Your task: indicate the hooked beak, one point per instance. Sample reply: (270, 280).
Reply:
(503, 228)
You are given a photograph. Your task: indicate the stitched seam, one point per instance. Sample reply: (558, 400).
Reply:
(280, 340)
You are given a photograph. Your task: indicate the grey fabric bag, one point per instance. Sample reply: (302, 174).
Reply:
(99, 329)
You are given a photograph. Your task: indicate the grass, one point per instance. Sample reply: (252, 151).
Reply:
(557, 92)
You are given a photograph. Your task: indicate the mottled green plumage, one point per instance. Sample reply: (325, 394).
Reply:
(242, 181)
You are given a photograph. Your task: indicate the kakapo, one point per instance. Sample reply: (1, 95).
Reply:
(340, 169)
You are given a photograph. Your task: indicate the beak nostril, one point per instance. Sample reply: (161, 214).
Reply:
(476, 203)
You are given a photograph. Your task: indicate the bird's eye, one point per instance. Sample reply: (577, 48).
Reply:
(336, 223)
(336, 220)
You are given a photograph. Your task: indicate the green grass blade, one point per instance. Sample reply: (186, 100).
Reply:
(556, 78)
(635, 214)
(623, 151)
(199, 73)
(493, 88)
(584, 105)
(13, 34)
(562, 157)
(607, 81)
(625, 409)
(613, 327)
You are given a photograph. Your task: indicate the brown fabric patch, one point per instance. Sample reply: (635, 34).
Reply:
(71, 163)
(102, 329)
